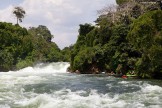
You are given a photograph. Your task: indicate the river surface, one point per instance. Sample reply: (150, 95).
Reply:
(50, 86)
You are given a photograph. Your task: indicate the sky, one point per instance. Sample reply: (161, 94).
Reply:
(61, 17)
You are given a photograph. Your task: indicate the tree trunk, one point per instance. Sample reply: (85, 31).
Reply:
(17, 21)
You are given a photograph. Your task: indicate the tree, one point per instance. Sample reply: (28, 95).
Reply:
(42, 31)
(146, 36)
(120, 2)
(19, 13)
(20, 47)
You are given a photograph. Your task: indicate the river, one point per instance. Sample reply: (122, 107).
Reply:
(50, 86)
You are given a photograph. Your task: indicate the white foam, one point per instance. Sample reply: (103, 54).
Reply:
(123, 82)
(14, 89)
(147, 88)
(4, 106)
(58, 67)
(10, 80)
(67, 99)
(30, 75)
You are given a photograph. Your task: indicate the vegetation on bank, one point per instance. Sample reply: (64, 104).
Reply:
(20, 47)
(125, 39)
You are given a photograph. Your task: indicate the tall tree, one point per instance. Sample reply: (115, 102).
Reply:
(19, 13)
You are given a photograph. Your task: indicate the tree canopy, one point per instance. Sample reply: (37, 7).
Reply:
(120, 2)
(125, 41)
(20, 47)
(19, 12)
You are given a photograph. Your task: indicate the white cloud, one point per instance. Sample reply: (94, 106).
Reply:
(6, 14)
(62, 17)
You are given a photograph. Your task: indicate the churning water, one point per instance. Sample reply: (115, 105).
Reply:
(50, 86)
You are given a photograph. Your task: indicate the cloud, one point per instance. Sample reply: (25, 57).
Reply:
(62, 17)
(6, 14)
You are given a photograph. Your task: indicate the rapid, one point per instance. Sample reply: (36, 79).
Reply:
(50, 86)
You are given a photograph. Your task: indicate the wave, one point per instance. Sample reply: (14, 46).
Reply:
(48, 86)
(56, 67)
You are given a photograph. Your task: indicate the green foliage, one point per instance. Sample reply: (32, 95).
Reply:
(142, 31)
(83, 57)
(120, 2)
(24, 63)
(105, 47)
(122, 43)
(11, 44)
(54, 54)
(41, 32)
(43, 49)
(156, 58)
(145, 35)
(66, 52)
(20, 47)
(6, 59)
(92, 38)
(84, 29)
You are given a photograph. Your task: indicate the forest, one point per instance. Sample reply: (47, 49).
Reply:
(20, 47)
(126, 38)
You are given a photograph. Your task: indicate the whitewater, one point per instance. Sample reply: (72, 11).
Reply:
(50, 86)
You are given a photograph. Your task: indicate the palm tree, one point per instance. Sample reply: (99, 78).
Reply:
(19, 13)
